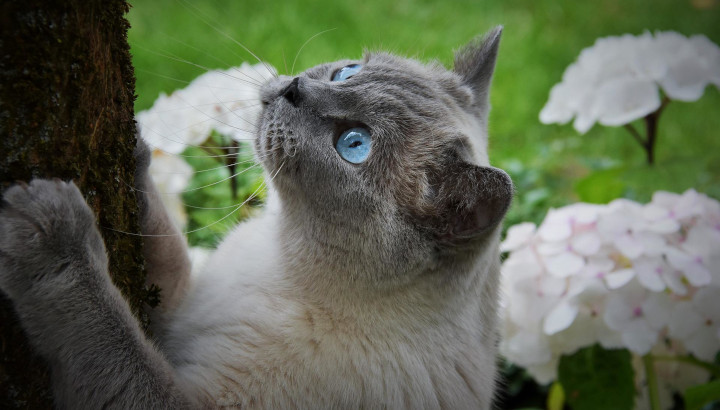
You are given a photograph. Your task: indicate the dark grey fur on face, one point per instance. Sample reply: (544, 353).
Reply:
(425, 189)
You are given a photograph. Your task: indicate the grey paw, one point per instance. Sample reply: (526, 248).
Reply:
(45, 227)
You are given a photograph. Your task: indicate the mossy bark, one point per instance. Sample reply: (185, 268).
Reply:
(66, 111)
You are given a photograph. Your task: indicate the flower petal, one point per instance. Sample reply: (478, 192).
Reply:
(623, 100)
(564, 264)
(649, 271)
(560, 318)
(695, 272)
(517, 236)
(619, 278)
(586, 243)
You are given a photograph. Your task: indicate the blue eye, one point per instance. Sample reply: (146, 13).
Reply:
(346, 72)
(354, 145)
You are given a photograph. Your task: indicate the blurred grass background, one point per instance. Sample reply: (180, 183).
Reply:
(551, 164)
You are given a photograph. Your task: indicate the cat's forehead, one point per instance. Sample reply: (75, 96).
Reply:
(385, 67)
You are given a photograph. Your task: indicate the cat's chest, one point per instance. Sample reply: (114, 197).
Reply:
(273, 353)
(242, 338)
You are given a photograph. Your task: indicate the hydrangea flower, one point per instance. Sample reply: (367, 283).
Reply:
(618, 79)
(622, 275)
(226, 101)
(171, 174)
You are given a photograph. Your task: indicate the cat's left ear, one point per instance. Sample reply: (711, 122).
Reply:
(475, 63)
(470, 200)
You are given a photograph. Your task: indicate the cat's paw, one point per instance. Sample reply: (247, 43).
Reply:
(45, 228)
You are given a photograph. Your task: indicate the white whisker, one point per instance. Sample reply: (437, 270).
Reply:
(207, 69)
(201, 187)
(292, 70)
(188, 5)
(211, 104)
(225, 63)
(208, 169)
(236, 208)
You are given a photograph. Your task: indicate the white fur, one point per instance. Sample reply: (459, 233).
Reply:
(243, 336)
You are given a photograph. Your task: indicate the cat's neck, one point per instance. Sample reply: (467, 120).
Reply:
(442, 286)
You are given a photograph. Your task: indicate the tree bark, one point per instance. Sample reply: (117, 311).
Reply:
(66, 110)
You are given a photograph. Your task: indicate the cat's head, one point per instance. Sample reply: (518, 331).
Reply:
(381, 164)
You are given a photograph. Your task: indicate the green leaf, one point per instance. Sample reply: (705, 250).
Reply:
(696, 397)
(556, 397)
(595, 378)
(601, 187)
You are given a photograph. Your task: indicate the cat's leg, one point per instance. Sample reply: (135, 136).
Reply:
(165, 248)
(53, 267)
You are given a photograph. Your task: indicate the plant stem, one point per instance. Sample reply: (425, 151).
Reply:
(714, 370)
(634, 132)
(651, 124)
(651, 380)
(231, 162)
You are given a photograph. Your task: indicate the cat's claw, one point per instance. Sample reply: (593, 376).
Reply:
(44, 226)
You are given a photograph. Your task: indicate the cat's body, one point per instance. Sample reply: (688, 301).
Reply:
(370, 284)
(263, 343)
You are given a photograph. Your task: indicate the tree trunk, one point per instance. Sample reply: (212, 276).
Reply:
(66, 110)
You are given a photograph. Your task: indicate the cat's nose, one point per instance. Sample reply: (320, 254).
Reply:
(292, 92)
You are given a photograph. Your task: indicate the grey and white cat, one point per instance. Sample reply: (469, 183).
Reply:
(369, 281)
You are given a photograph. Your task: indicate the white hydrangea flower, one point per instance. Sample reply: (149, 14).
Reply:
(622, 275)
(171, 174)
(227, 101)
(617, 80)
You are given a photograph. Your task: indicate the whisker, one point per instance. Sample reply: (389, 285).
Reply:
(292, 70)
(252, 124)
(209, 104)
(223, 62)
(207, 69)
(146, 128)
(155, 147)
(188, 5)
(285, 62)
(188, 82)
(208, 169)
(249, 198)
(197, 188)
(210, 118)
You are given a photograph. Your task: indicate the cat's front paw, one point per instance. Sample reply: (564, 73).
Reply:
(46, 230)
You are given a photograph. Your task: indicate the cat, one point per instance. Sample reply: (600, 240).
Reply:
(369, 281)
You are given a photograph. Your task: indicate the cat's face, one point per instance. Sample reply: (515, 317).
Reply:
(377, 160)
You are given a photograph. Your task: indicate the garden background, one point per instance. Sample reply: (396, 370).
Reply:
(551, 165)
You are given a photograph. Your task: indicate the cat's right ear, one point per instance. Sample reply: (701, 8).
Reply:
(475, 63)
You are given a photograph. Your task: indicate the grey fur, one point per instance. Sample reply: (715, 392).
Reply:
(53, 266)
(403, 245)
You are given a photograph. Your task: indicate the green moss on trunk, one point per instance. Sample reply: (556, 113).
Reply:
(66, 111)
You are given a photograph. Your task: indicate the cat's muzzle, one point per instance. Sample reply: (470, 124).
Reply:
(277, 142)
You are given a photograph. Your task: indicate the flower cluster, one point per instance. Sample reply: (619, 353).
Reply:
(225, 101)
(622, 275)
(171, 176)
(616, 80)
